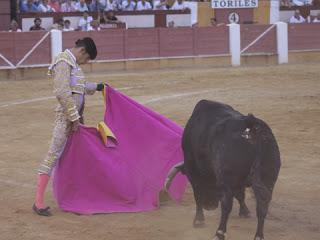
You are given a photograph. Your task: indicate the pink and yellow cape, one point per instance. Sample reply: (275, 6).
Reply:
(126, 173)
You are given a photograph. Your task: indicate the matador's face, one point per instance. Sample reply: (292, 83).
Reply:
(83, 57)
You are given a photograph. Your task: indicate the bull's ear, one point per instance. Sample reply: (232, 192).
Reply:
(250, 120)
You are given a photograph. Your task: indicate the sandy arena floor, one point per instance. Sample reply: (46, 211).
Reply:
(287, 97)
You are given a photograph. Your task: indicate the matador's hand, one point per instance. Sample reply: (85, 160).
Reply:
(100, 86)
(75, 125)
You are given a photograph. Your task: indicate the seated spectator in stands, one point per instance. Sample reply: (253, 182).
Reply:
(128, 5)
(171, 24)
(60, 24)
(301, 2)
(110, 17)
(84, 22)
(179, 5)
(162, 5)
(67, 26)
(37, 25)
(14, 26)
(297, 18)
(55, 5)
(111, 5)
(68, 6)
(44, 7)
(213, 22)
(285, 3)
(28, 6)
(81, 6)
(317, 19)
(95, 6)
(95, 25)
(143, 5)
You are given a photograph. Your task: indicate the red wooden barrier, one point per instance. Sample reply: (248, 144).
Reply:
(142, 43)
(267, 44)
(211, 40)
(304, 36)
(176, 42)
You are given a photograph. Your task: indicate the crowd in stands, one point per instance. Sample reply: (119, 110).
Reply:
(298, 18)
(300, 3)
(26, 6)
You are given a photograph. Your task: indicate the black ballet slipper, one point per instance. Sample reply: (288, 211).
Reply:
(42, 211)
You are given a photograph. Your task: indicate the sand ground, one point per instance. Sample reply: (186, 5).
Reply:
(287, 97)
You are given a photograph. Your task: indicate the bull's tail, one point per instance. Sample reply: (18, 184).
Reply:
(172, 173)
(260, 136)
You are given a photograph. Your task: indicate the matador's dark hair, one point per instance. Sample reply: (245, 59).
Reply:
(89, 45)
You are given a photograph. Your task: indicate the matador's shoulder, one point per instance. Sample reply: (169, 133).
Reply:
(62, 57)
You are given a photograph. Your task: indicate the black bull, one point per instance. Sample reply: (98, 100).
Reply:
(225, 152)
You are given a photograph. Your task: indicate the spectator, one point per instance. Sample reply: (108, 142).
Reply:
(143, 5)
(68, 6)
(55, 5)
(60, 24)
(14, 26)
(28, 6)
(213, 22)
(37, 25)
(111, 5)
(81, 6)
(67, 26)
(44, 7)
(128, 5)
(95, 25)
(179, 5)
(110, 18)
(302, 2)
(285, 3)
(317, 19)
(162, 5)
(97, 5)
(297, 18)
(84, 22)
(171, 24)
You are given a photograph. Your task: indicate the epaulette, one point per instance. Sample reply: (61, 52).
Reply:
(63, 56)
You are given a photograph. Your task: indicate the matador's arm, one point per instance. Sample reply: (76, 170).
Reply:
(62, 90)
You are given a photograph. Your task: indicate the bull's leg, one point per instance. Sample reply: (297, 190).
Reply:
(199, 218)
(240, 196)
(226, 207)
(263, 198)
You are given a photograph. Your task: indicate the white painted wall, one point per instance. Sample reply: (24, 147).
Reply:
(274, 11)
(180, 20)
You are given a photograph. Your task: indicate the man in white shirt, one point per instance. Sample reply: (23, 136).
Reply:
(67, 26)
(128, 5)
(85, 22)
(161, 5)
(44, 7)
(301, 2)
(68, 6)
(317, 19)
(143, 5)
(111, 5)
(297, 18)
(81, 6)
(179, 5)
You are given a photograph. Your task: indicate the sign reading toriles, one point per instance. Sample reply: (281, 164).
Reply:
(234, 3)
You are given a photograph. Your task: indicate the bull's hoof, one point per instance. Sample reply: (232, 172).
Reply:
(198, 223)
(219, 235)
(258, 238)
(244, 213)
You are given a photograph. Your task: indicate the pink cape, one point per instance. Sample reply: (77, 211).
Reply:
(92, 178)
